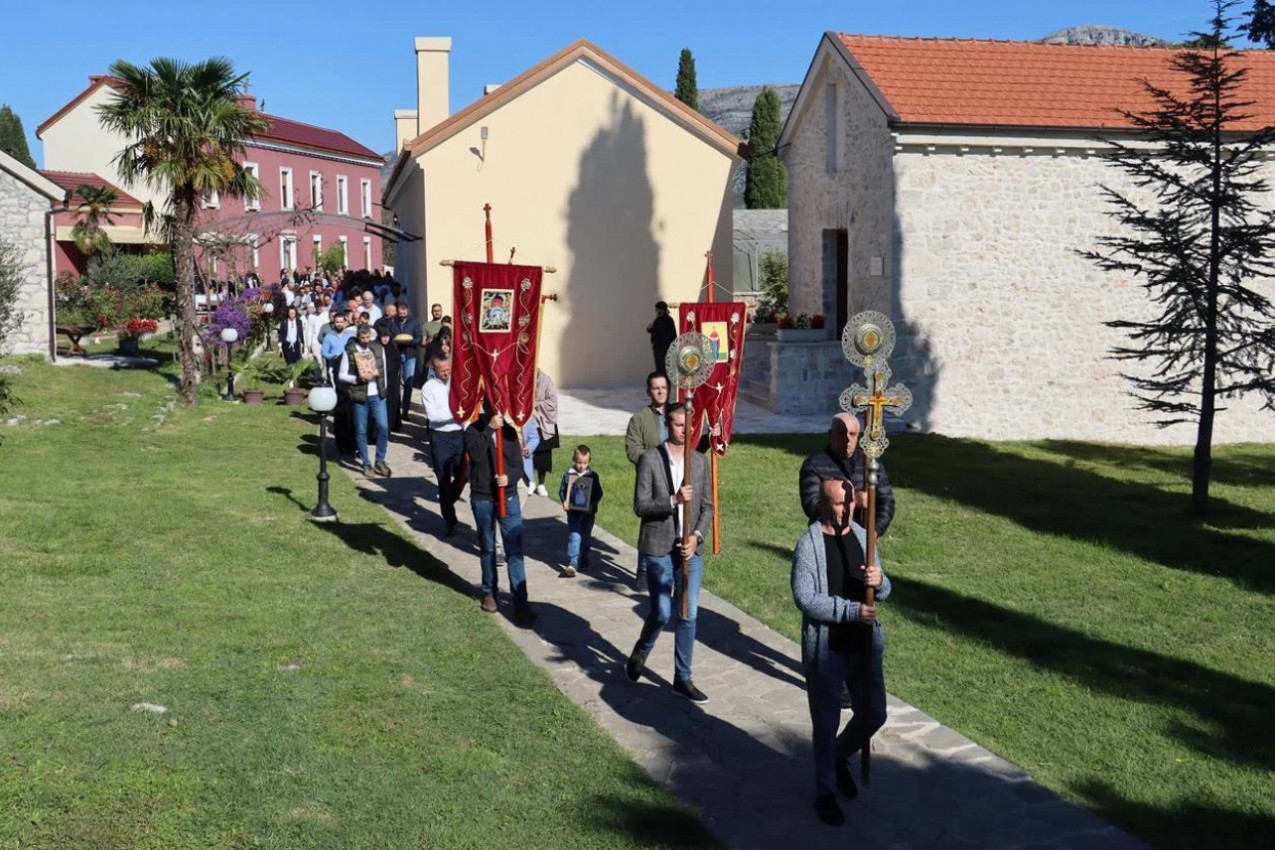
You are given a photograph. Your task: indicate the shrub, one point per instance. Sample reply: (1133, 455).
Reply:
(786, 322)
(818, 322)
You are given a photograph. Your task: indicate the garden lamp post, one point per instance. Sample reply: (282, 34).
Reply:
(229, 336)
(322, 402)
(268, 309)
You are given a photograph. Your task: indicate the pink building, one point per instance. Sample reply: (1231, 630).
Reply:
(320, 189)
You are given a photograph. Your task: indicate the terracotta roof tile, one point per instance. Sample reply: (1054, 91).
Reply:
(310, 136)
(71, 180)
(1029, 84)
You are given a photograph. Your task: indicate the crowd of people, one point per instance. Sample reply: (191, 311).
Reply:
(377, 352)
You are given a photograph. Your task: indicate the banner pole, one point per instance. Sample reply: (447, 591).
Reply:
(712, 450)
(501, 511)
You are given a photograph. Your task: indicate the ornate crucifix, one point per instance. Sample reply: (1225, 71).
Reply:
(868, 341)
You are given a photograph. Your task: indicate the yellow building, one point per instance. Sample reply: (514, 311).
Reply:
(589, 168)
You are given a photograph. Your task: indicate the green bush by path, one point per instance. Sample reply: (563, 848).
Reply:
(324, 686)
(1055, 602)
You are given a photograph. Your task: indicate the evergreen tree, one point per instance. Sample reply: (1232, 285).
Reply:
(13, 139)
(687, 90)
(1261, 23)
(1197, 235)
(765, 181)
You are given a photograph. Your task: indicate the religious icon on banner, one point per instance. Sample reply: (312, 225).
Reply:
(718, 340)
(495, 310)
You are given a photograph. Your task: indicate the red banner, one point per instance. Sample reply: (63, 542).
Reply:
(497, 321)
(723, 323)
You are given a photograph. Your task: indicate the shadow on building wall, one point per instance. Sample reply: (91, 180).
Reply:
(613, 283)
(914, 361)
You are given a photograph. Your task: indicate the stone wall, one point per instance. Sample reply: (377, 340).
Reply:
(1002, 318)
(22, 223)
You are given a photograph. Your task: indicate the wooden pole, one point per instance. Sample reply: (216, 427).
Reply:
(712, 452)
(687, 451)
(501, 511)
(869, 633)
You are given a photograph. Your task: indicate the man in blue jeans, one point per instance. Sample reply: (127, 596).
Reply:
(664, 497)
(481, 440)
(409, 350)
(362, 372)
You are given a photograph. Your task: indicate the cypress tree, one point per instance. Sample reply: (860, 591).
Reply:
(13, 139)
(687, 90)
(765, 181)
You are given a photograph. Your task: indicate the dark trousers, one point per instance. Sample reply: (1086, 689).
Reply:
(447, 450)
(824, 679)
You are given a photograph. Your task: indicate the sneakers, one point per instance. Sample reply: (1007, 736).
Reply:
(845, 781)
(367, 470)
(489, 604)
(829, 811)
(569, 571)
(636, 664)
(542, 491)
(382, 469)
(686, 688)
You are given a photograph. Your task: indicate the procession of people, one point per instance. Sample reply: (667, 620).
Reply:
(836, 580)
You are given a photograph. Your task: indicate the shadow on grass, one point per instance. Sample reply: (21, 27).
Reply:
(1239, 710)
(1234, 466)
(1183, 824)
(650, 824)
(1133, 517)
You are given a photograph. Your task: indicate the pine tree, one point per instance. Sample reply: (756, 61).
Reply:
(1197, 235)
(1261, 23)
(766, 181)
(687, 90)
(13, 139)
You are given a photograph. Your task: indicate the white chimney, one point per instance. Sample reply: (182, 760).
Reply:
(406, 127)
(432, 56)
(489, 88)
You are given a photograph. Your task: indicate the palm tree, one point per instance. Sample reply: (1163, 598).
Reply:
(188, 133)
(93, 213)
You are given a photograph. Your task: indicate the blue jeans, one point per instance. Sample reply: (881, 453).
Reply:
(530, 439)
(823, 694)
(407, 371)
(511, 532)
(376, 406)
(579, 537)
(663, 574)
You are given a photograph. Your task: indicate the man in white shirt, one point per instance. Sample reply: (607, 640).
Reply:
(446, 440)
(369, 307)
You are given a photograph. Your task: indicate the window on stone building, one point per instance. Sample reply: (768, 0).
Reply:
(252, 204)
(342, 195)
(285, 188)
(316, 190)
(365, 193)
(832, 117)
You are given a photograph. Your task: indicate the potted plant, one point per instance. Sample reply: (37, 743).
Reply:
(131, 332)
(253, 370)
(293, 395)
(801, 328)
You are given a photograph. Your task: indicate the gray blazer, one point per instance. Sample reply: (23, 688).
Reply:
(651, 494)
(818, 609)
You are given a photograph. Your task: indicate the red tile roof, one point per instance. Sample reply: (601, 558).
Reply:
(1029, 84)
(310, 136)
(71, 180)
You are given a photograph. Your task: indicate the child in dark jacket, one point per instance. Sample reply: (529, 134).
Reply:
(580, 492)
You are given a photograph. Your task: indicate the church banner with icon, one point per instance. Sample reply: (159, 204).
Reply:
(497, 320)
(722, 323)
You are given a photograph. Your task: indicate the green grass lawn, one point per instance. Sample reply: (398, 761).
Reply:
(325, 686)
(1056, 603)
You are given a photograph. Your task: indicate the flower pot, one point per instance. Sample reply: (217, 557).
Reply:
(294, 397)
(129, 346)
(254, 396)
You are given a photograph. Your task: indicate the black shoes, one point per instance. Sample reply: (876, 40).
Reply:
(829, 811)
(382, 469)
(687, 688)
(636, 664)
(524, 617)
(845, 781)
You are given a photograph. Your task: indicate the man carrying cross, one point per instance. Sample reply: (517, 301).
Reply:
(843, 460)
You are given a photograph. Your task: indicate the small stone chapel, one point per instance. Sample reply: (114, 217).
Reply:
(950, 184)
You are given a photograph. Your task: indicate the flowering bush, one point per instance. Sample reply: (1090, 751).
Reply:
(818, 322)
(786, 322)
(244, 314)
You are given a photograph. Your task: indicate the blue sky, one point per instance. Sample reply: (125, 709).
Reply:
(349, 65)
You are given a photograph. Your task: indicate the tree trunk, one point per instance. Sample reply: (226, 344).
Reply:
(184, 266)
(1202, 468)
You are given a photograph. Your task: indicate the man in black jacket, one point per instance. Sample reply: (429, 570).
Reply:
(481, 438)
(842, 459)
(409, 351)
(663, 331)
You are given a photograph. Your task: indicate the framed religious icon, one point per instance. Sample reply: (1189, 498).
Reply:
(365, 362)
(718, 334)
(495, 311)
(580, 494)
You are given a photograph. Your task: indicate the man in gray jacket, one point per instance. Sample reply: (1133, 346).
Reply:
(829, 581)
(658, 499)
(646, 431)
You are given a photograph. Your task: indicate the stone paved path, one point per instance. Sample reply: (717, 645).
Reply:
(607, 412)
(743, 761)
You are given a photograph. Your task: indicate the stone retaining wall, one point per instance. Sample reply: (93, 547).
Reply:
(22, 224)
